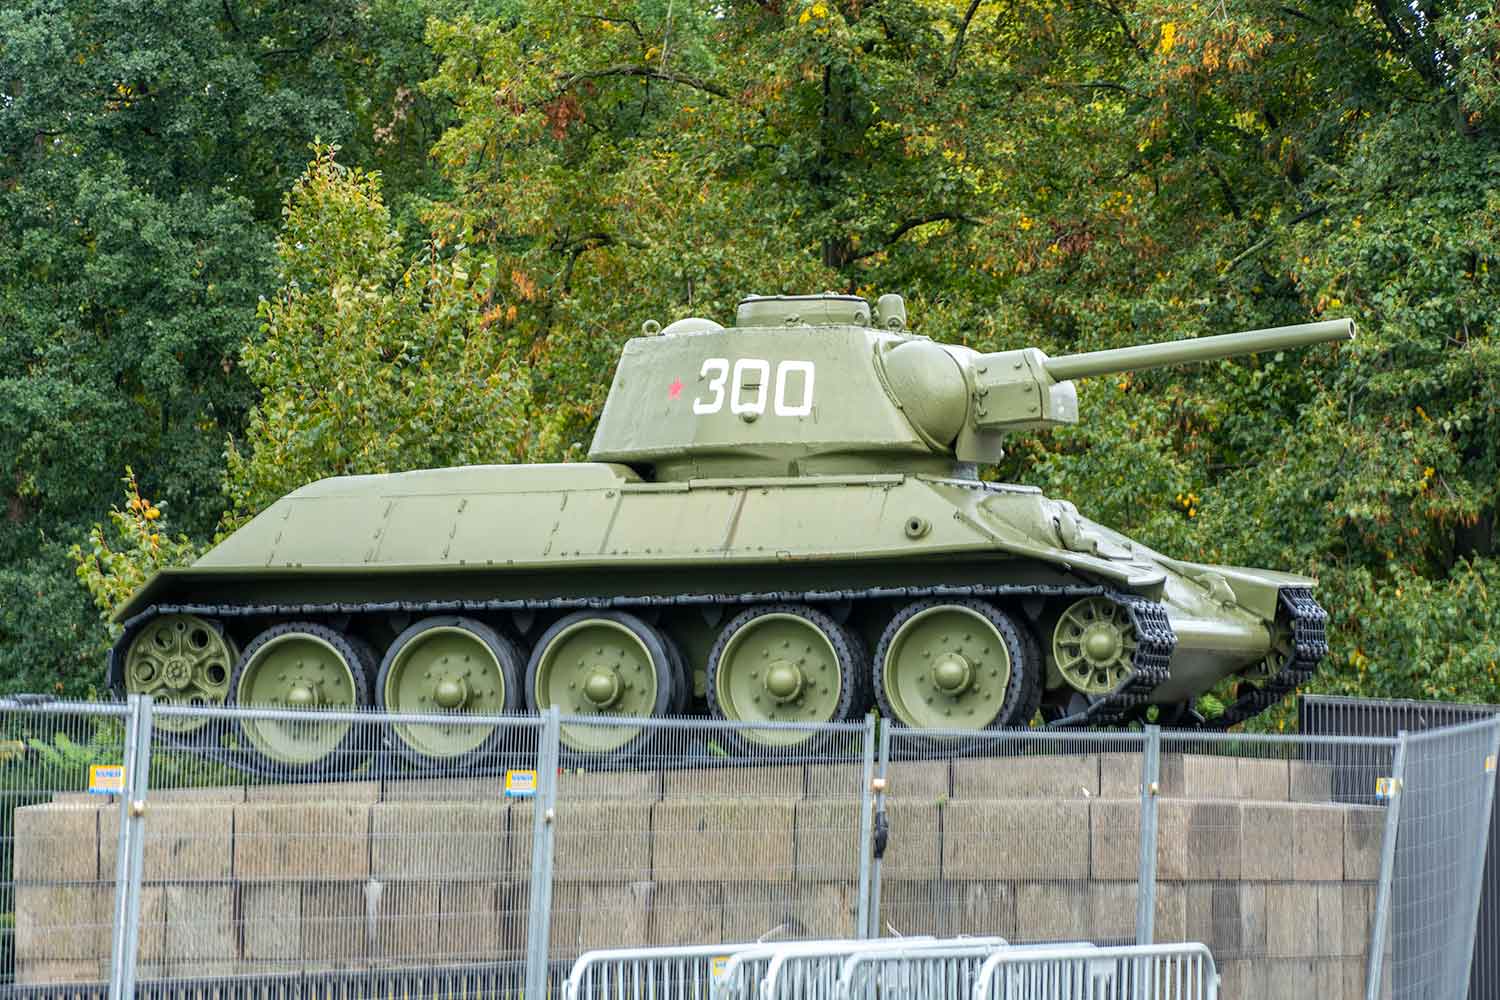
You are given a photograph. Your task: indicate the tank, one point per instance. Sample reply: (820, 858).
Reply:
(779, 521)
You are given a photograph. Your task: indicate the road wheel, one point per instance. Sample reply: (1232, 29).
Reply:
(455, 666)
(783, 663)
(607, 663)
(1094, 646)
(302, 665)
(181, 660)
(956, 665)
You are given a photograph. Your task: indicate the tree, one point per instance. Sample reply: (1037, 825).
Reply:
(367, 363)
(145, 149)
(1073, 175)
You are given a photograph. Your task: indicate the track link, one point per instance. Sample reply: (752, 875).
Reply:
(1309, 624)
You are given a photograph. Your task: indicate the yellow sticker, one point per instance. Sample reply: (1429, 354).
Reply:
(1386, 787)
(717, 964)
(520, 784)
(106, 779)
(1489, 763)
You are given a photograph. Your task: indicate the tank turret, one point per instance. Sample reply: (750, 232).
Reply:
(810, 385)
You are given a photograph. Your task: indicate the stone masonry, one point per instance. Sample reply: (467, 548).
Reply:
(1254, 860)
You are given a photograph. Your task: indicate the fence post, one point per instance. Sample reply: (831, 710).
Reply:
(1145, 898)
(1490, 762)
(125, 935)
(880, 829)
(866, 821)
(543, 817)
(1381, 921)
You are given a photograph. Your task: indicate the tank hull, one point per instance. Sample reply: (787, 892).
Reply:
(532, 540)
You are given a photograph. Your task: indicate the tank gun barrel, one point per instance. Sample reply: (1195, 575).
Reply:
(1176, 352)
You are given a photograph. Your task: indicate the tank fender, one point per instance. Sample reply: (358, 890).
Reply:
(1024, 523)
(1255, 590)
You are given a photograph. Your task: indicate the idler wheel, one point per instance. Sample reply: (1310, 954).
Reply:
(302, 665)
(954, 665)
(1094, 645)
(605, 663)
(783, 663)
(457, 667)
(180, 660)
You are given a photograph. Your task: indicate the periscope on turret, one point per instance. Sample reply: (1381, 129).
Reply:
(779, 521)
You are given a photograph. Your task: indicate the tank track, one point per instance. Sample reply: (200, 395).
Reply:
(1155, 638)
(1309, 624)
(1155, 641)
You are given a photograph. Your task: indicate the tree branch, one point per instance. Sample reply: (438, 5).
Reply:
(958, 42)
(1264, 242)
(910, 224)
(1098, 85)
(1226, 190)
(1119, 17)
(645, 72)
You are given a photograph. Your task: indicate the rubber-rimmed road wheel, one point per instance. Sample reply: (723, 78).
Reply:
(452, 665)
(302, 665)
(956, 664)
(783, 663)
(181, 660)
(602, 663)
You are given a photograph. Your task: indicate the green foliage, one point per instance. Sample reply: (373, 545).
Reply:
(1074, 176)
(146, 148)
(367, 363)
(120, 559)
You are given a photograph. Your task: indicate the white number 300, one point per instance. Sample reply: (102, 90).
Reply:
(751, 376)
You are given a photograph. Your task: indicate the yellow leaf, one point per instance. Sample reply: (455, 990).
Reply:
(1168, 37)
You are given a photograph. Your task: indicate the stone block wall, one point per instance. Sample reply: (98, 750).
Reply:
(1254, 860)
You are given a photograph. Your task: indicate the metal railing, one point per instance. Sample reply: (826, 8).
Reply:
(154, 845)
(1149, 972)
(684, 972)
(950, 969)
(813, 970)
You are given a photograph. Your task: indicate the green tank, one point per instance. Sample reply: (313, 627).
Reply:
(778, 521)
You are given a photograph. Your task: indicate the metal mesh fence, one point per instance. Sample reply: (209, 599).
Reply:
(1445, 795)
(1260, 860)
(1029, 835)
(257, 864)
(1325, 715)
(711, 832)
(57, 841)
(293, 850)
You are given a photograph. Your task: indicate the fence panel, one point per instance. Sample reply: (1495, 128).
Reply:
(1159, 972)
(684, 972)
(938, 973)
(710, 832)
(265, 870)
(1332, 716)
(1447, 794)
(1030, 835)
(261, 862)
(58, 840)
(1260, 859)
(796, 972)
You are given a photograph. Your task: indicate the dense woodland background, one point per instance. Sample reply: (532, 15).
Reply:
(502, 190)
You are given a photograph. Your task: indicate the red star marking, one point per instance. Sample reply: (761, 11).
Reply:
(675, 389)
